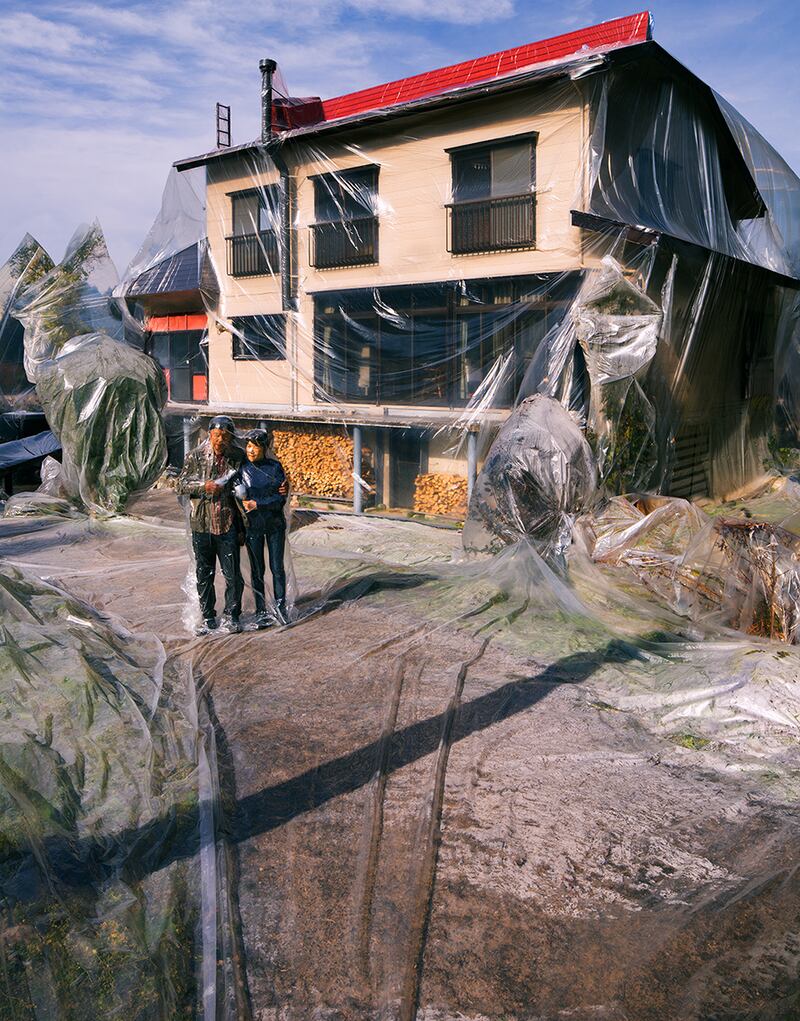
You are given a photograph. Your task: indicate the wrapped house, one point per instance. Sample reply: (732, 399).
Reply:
(582, 217)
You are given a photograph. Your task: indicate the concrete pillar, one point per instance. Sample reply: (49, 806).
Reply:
(188, 432)
(472, 463)
(358, 492)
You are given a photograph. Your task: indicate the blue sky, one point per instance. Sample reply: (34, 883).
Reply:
(97, 99)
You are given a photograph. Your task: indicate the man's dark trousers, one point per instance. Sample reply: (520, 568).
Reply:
(209, 548)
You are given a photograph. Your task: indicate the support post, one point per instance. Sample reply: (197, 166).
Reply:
(472, 463)
(187, 437)
(358, 492)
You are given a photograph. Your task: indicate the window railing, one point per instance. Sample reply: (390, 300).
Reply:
(352, 242)
(253, 255)
(492, 225)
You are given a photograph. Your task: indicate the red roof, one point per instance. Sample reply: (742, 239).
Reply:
(635, 28)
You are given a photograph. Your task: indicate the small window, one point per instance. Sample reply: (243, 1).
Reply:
(252, 248)
(255, 210)
(259, 338)
(346, 231)
(493, 171)
(346, 195)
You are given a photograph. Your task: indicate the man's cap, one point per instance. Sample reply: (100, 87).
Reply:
(260, 437)
(222, 422)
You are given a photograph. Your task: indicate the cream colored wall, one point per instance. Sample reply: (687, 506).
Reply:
(414, 186)
(232, 381)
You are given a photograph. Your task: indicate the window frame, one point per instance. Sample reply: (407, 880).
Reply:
(321, 195)
(493, 223)
(240, 354)
(253, 250)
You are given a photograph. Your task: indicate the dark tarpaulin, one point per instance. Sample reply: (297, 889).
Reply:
(17, 452)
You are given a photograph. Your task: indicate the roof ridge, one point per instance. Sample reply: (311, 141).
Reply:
(625, 31)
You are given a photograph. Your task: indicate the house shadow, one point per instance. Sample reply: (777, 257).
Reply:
(137, 852)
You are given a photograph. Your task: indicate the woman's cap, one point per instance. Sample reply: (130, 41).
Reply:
(258, 436)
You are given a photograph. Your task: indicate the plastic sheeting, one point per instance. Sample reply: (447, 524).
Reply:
(539, 475)
(102, 396)
(611, 235)
(440, 776)
(556, 781)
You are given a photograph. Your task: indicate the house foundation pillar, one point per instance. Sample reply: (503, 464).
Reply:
(358, 492)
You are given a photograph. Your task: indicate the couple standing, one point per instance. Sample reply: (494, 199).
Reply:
(236, 498)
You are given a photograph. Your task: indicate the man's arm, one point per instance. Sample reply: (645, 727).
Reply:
(190, 480)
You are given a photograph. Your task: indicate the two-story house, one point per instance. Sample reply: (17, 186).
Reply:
(402, 264)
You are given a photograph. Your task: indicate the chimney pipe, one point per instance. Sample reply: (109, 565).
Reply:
(268, 69)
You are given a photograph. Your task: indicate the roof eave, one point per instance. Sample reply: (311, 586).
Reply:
(583, 63)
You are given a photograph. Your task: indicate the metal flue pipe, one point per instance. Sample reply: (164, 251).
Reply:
(268, 69)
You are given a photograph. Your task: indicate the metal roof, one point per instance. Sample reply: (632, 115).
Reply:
(503, 68)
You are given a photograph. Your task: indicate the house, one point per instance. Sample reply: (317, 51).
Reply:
(402, 264)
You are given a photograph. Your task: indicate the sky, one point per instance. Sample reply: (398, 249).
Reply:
(97, 99)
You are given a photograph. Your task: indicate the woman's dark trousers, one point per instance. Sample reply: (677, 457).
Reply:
(273, 533)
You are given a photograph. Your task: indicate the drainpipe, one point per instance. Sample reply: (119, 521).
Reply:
(472, 463)
(268, 68)
(358, 493)
(288, 300)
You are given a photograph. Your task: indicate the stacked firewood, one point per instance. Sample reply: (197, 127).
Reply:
(441, 493)
(318, 462)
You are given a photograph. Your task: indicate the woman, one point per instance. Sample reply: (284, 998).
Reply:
(261, 485)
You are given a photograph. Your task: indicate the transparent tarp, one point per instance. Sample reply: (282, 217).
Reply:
(543, 765)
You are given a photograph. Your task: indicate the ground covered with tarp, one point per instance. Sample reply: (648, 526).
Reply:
(453, 788)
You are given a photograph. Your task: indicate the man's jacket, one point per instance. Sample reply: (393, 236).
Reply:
(220, 512)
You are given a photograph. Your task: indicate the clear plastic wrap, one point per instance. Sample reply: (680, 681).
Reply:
(101, 394)
(554, 293)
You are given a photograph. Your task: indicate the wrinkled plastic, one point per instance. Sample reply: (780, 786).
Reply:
(539, 475)
(102, 396)
(559, 780)
(28, 263)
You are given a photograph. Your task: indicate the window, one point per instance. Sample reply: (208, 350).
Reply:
(253, 245)
(181, 355)
(493, 205)
(259, 338)
(346, 231)
(434, 345)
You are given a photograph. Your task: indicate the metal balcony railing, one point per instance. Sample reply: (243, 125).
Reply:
(492, 225)
(352, 242)
(253, 255)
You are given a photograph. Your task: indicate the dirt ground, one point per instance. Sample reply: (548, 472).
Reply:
(452, 792)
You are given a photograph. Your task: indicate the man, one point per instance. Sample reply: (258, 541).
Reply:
(216, 522)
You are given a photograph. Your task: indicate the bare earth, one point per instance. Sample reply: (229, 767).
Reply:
(449, 794)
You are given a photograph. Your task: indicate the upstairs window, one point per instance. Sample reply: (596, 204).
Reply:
(253, 244)
(346, 228)
(346, 195)
(259, 338)
(493, 204)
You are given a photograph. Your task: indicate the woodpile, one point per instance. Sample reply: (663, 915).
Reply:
(441, 493)
(318, 462)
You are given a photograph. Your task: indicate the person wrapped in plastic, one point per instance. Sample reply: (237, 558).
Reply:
(262, 486)
(216, 521)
